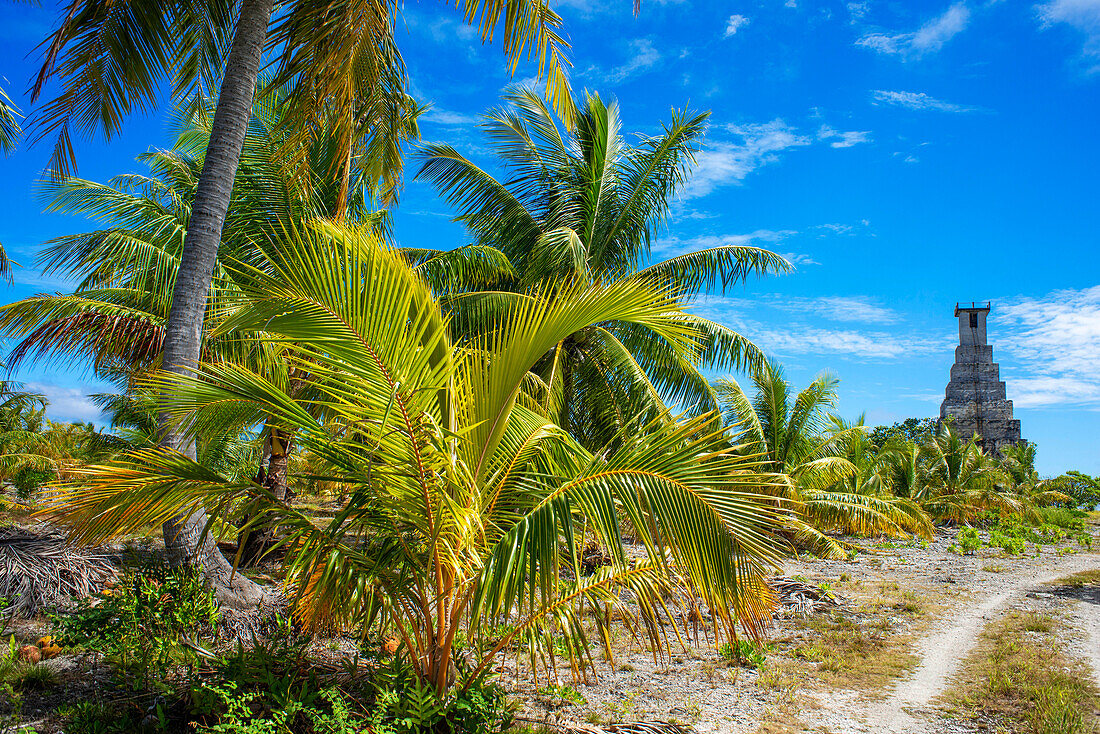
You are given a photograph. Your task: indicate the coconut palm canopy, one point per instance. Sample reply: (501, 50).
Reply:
(832, 478)
(466, 503)
(583, 205)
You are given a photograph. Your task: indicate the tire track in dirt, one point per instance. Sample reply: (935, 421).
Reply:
(905, 711)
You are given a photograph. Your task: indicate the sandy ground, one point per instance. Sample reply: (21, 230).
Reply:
(957, 596)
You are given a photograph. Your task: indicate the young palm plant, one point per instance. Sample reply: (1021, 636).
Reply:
(465, 506)
(962, 481)
(808, 446)
(583, 205)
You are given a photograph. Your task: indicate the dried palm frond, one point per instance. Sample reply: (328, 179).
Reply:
(799, 598)
(40, 569)
(633, 727)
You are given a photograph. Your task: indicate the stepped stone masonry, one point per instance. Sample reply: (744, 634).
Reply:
(975, 396)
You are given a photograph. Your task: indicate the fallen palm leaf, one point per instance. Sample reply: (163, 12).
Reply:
(40, 570)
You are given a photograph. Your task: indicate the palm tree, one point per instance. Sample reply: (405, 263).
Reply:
(904, 468)
(21, 417)
(891, 511)
(464, 504)
(803, 442)
(962, 481)
(110, 58)
(125, 271)
(583, 205)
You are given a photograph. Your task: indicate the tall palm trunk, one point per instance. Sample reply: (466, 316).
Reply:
(183, 535)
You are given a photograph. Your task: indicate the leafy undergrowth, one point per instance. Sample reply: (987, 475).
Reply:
(1058, 525)
(156, 667)
(1020, 681)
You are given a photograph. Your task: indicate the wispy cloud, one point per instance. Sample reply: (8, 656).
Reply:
(66, 403)
(839, 308)
(723, 163)
(929, 38)
(735, 23)
(1053, 340)
(36, 279)
(878, 345)
(839, 139)
(918, 101)
(643, 57)
(793, 326)
(754, 145)
(449, 117)
(1083, 15)
(799, 258)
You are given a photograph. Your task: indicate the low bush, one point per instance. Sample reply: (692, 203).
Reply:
(967, 541)
(743, 652)
(29, 480)
(1064, 517)
(141, 624)
(1011, 545)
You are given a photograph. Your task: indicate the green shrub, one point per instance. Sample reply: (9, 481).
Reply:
(1011, 545)
(564, 694)
(745, 652)
(967, 541)
(1064, 517)
(411, 707)
(28, 480)
(138, 624)
(87, 717)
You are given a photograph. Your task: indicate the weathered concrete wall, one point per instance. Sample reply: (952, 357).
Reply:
(976, 396)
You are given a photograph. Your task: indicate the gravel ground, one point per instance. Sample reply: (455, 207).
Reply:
(955, 595)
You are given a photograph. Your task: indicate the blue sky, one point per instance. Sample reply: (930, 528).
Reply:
(904, 155)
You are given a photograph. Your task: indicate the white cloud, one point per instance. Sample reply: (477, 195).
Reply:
(918, 101)
(838, 308)
(66, 403)
(799, 258)
(644, 56)
(929, 38)
(839, 228)
(729, 162)
(1083, 15)
(722, 163)
(1054, 341)
(794, 326)
(799, 340)
(449, 117)
(794, 338)
(734, 24)
(838, 139)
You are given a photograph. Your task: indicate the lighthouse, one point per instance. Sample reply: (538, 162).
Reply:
(975, 397)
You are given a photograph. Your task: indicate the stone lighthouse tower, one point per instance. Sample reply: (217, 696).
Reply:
(975, 396)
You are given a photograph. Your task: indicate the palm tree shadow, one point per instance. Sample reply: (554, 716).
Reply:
(1078, 591)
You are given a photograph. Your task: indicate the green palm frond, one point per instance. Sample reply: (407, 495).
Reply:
(582, 203)
(9, 123)
(704, 269)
